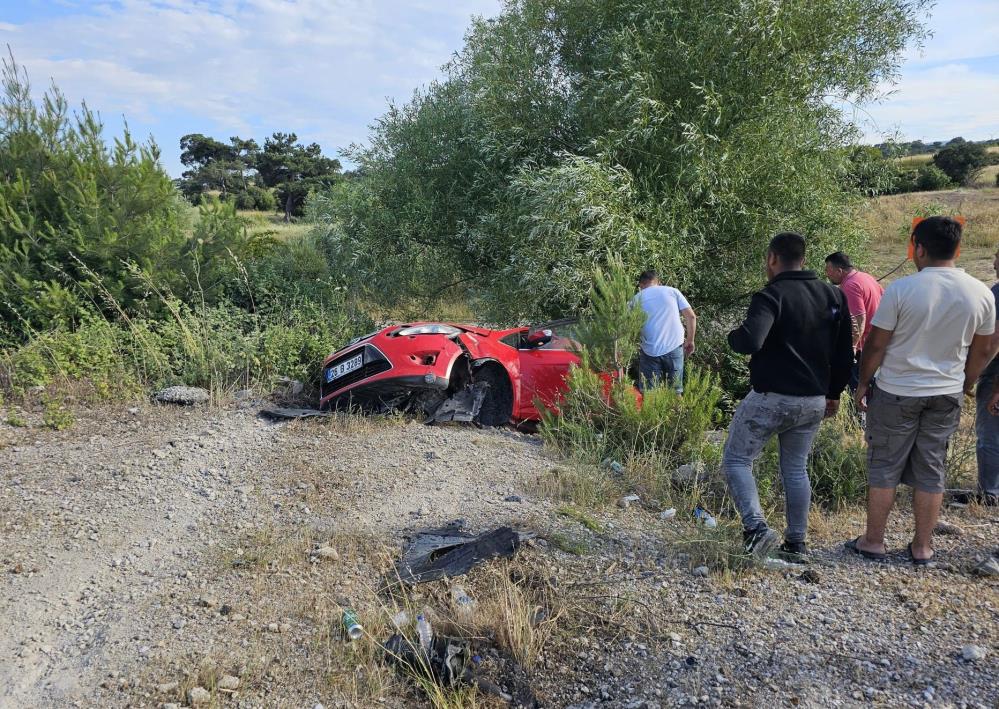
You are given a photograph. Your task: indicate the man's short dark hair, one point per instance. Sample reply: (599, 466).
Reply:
(647, 276)
(940, 236)
(788, 247)
(839, 260)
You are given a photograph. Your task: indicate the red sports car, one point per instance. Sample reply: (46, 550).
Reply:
(452, 372)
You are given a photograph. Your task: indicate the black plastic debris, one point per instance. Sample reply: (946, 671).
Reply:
(282, 414)
(451, 551)
(448, 661)
(463, 406)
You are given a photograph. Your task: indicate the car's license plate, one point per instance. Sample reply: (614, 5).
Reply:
(346, 367)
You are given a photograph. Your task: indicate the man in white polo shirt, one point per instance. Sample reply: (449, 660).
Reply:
(931, 338)
(664, 341)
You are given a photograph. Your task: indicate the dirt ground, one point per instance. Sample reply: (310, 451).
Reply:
(150, 552)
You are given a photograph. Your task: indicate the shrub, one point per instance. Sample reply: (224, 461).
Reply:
(931, 177)
(961, 160)
(84, 219)
(57, 417)
(837, 465)
(599, 420)
(256, 198)
(216, 347)
(610, 326)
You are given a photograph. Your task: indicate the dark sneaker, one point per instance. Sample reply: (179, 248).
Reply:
(760, 541)
(793, 551)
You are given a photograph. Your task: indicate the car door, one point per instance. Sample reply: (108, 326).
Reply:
(543, 372)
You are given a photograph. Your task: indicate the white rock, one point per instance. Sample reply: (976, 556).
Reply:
(973, 653)
(185, 396)
(229, 683)
(327, 552)
(948, 528)
(273, 628)
(627, 501)
(167, 687)
(197, 696)
(702, 571)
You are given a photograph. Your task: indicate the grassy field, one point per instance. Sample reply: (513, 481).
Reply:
(987, 177)
(274, 224)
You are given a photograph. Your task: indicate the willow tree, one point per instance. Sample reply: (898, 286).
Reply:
(678, 135)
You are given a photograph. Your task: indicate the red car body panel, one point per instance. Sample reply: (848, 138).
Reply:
(396, 367)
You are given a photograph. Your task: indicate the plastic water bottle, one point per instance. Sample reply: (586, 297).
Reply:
(462, 599)
(424, 631)
(400, 620)
(612, 465)
(702, 516)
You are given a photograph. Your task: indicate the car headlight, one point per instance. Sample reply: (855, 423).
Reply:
(431, 329)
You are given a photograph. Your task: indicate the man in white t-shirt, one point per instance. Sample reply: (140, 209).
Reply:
(668, 333)
(931, 338)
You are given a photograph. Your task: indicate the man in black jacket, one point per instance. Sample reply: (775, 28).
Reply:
(799, 335)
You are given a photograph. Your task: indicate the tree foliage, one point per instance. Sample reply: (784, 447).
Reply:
(610, 326)
(213, 165)
(294, 170)
(961, 161)
(84, 224)
(283, 173)
(678, 135)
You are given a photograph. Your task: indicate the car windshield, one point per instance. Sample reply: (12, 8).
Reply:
(563, 335)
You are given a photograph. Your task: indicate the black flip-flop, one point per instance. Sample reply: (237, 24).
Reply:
(851, 546)
(919, 562)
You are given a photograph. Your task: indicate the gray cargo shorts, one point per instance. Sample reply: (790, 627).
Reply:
(907, 439)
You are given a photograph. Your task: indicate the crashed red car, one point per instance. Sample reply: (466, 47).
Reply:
(452, 372)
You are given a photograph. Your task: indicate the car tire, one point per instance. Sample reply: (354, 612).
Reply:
(497, 407)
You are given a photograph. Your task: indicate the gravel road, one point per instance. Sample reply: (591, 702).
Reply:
(127, 558)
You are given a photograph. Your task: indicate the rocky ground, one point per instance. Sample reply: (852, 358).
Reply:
(164, 555)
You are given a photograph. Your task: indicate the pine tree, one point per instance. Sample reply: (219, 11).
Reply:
(610, 326)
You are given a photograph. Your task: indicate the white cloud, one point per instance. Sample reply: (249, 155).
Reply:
(962, 29)
(322, 68)
(937, 104)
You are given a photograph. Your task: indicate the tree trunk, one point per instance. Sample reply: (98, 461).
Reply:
(287, 207)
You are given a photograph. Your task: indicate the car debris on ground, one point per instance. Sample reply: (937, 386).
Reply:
(451, 551)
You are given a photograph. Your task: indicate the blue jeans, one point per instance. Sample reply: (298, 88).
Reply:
(987, 428)
(795, 421)
(653, 370)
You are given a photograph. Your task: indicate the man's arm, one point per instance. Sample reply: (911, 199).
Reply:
(690, 325)
(858, 323)
(874, 354)
(980, 353)
(858, 315)
(749, 337)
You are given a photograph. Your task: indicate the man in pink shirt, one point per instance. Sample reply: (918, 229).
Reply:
(863, 295)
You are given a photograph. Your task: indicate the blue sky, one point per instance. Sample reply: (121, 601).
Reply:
(325, 69)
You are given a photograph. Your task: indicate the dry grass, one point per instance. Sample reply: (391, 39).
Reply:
(888, 220)
(273, 224)
(914, 161)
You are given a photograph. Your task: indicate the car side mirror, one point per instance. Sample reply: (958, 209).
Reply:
(538, 338)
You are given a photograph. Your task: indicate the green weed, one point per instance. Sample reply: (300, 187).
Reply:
(57, 417)
(582, 517)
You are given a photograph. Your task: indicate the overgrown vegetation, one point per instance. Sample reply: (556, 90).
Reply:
(679, 136)
(106, 277)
